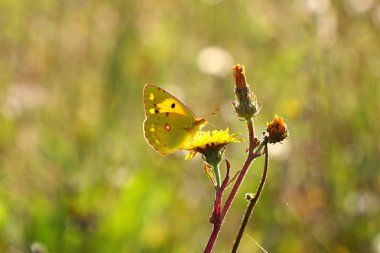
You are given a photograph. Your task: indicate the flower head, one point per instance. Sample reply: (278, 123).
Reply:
(210, 144)
(246, 105)
(277, 130)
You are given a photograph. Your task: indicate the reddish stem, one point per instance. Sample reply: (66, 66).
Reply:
(253, 201)
(213, 236)
(218, 202)
(251, 156)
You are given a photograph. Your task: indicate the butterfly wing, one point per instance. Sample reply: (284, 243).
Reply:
(167, 133)
(169, 123)
(157, 100)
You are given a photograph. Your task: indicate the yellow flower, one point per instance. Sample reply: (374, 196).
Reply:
(277, 130)
(210, 144)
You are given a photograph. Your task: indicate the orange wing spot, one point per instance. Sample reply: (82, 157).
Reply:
(167, 127)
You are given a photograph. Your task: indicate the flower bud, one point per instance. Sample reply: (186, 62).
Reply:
(277, 130)
(245, 105)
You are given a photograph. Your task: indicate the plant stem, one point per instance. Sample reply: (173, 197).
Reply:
(253, 201)
(251, 134)
(216, 168)
(213, 236)
(250, 157)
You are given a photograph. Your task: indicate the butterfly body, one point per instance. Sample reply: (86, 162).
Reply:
(169, 123)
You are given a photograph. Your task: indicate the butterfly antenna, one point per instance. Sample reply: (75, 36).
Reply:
(211, 113)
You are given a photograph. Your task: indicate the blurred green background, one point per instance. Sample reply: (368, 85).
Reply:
(76, 174)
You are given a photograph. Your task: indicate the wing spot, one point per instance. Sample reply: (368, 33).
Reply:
(152, 111)
(151, 96)
(152, 129)
(156, 111)
(167, 114)
(157, 141)
(173, 105)
(167, 127)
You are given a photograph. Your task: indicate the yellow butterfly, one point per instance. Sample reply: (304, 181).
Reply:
(169, 124)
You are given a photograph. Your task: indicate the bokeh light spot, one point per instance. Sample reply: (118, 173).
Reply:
(215, 61)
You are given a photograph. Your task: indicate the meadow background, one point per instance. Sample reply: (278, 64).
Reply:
(76, 174)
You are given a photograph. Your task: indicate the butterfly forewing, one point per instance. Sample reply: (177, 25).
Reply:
(157, 100)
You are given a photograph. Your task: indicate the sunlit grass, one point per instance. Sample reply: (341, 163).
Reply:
(77, 176)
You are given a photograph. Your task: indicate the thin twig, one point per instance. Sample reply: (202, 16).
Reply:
(253, 201)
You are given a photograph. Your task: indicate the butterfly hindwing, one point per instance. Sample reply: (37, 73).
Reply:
(167, 133)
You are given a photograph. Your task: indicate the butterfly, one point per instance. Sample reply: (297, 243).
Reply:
(169, 123)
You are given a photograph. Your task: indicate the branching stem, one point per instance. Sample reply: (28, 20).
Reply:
(250, 157)
(253, 201)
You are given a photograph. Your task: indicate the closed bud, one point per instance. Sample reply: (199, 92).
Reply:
(245, 105)
(277, 130)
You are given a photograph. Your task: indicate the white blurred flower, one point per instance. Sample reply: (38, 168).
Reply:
(359, 6)
(318, 6)
(215, 61)
(21, 97)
